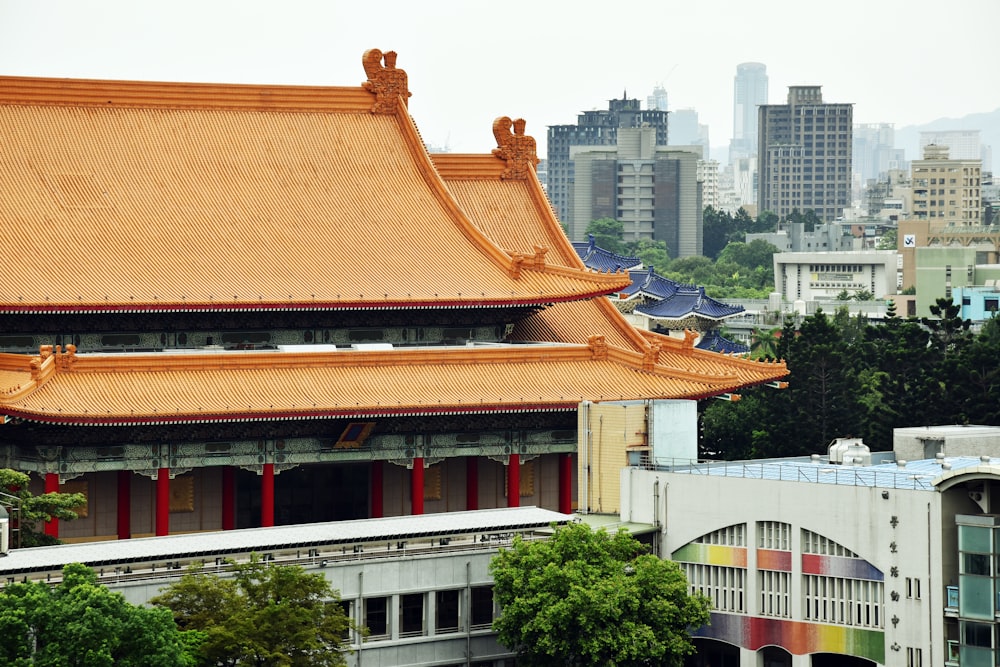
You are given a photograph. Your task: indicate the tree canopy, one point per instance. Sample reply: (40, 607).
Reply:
(36, 509)
(264, 615)
(848, 377)
(588, 598)
(80, 623)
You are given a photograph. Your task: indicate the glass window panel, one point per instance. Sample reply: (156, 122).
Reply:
(976, 564)
(974, 538)
(975, 597)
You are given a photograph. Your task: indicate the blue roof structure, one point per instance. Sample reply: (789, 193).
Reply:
(600, 259)
(666, 299)
(713, 341)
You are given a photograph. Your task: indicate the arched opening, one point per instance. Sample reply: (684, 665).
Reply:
(713, 653)
(773, 656)
(835, 660)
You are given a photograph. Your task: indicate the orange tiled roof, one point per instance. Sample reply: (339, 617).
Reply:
(158, 196)
(63, 387)
(516, 214)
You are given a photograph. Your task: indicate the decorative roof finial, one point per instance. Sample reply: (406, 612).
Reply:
(385, 81)
(514, 146)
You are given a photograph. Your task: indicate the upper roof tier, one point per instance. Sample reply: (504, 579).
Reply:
(177, 196)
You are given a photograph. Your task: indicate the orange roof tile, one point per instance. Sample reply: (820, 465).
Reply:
(515, 213)
(177, 388)
(136, 196)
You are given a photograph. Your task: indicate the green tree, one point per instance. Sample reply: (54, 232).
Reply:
(35, 510)
(587, 598)
(80, 623)
(265, 615)
(652, 253)
(608, 234)
(888, 240)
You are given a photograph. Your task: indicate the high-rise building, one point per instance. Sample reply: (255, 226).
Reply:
(947, 190)
(874, 152)
(962, 145)
(685, 130)
(804, 155)
(593, 128)
(653, 190)
(658, 99)
(749, 92)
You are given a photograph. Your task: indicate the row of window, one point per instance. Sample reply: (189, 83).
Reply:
(427, 613)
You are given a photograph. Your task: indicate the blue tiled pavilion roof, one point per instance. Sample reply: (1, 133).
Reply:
(599, 259)
(670, 300)
(713, 341)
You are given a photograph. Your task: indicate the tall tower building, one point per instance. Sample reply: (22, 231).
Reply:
(593, 128)
(804, 155)
(749, 92)
(658, 100)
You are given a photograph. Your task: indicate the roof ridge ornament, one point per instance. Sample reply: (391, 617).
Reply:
(514, 146)
(384, 80)
(598, 347)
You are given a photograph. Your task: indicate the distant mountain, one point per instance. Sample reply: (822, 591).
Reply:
(988, 124)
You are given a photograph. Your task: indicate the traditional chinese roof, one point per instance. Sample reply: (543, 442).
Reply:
(604, 260)
(345, 203)
(667, 300)
(714, 341)
(136, 196)
(104, 389)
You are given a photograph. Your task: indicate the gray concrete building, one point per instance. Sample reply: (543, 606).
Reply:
(804, 155)
(653, 190)
(593, 128)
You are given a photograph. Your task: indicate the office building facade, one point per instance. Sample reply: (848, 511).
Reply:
(805, 154)
(593, 128)
(749, 92)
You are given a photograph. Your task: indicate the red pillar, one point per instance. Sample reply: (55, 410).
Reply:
(417, 486)
(51, 527)
(228, 498)
(163, 501)
(124, 504)
(377, 491)
(267, 496)
(471, 483)
(514, 481)
(566, 483)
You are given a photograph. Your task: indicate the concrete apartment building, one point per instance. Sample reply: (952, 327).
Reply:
(652, 189)
(597, 127)
(804, 155)
(947, 190)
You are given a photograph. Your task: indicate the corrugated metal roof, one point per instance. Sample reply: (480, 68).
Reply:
(260, 540)
(919, 475)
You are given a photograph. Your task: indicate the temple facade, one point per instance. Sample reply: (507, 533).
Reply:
(229, 306)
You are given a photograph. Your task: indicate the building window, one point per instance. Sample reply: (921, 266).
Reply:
(411, 615)
(446, 611)
(843, 601)
(774, 593)
(913, 588)
(724, 586)
(481, 609)
(377, 618)
(774, 535)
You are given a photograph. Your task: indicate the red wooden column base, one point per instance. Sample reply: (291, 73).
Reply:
(378, 481)
(267, 496)
(471, 483)
(228, 498)
(566, 483)
(51, 527)
(514, 481)
(417, 486)
(124, 504)
(163, 501)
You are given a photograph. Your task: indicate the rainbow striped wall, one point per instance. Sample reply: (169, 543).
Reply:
(712, 554)
(754, 633)
(770, 559)
(837, 566)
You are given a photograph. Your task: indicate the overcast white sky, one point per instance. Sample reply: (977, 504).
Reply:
(899, 61)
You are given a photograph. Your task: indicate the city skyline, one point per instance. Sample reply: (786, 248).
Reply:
(469, 64)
